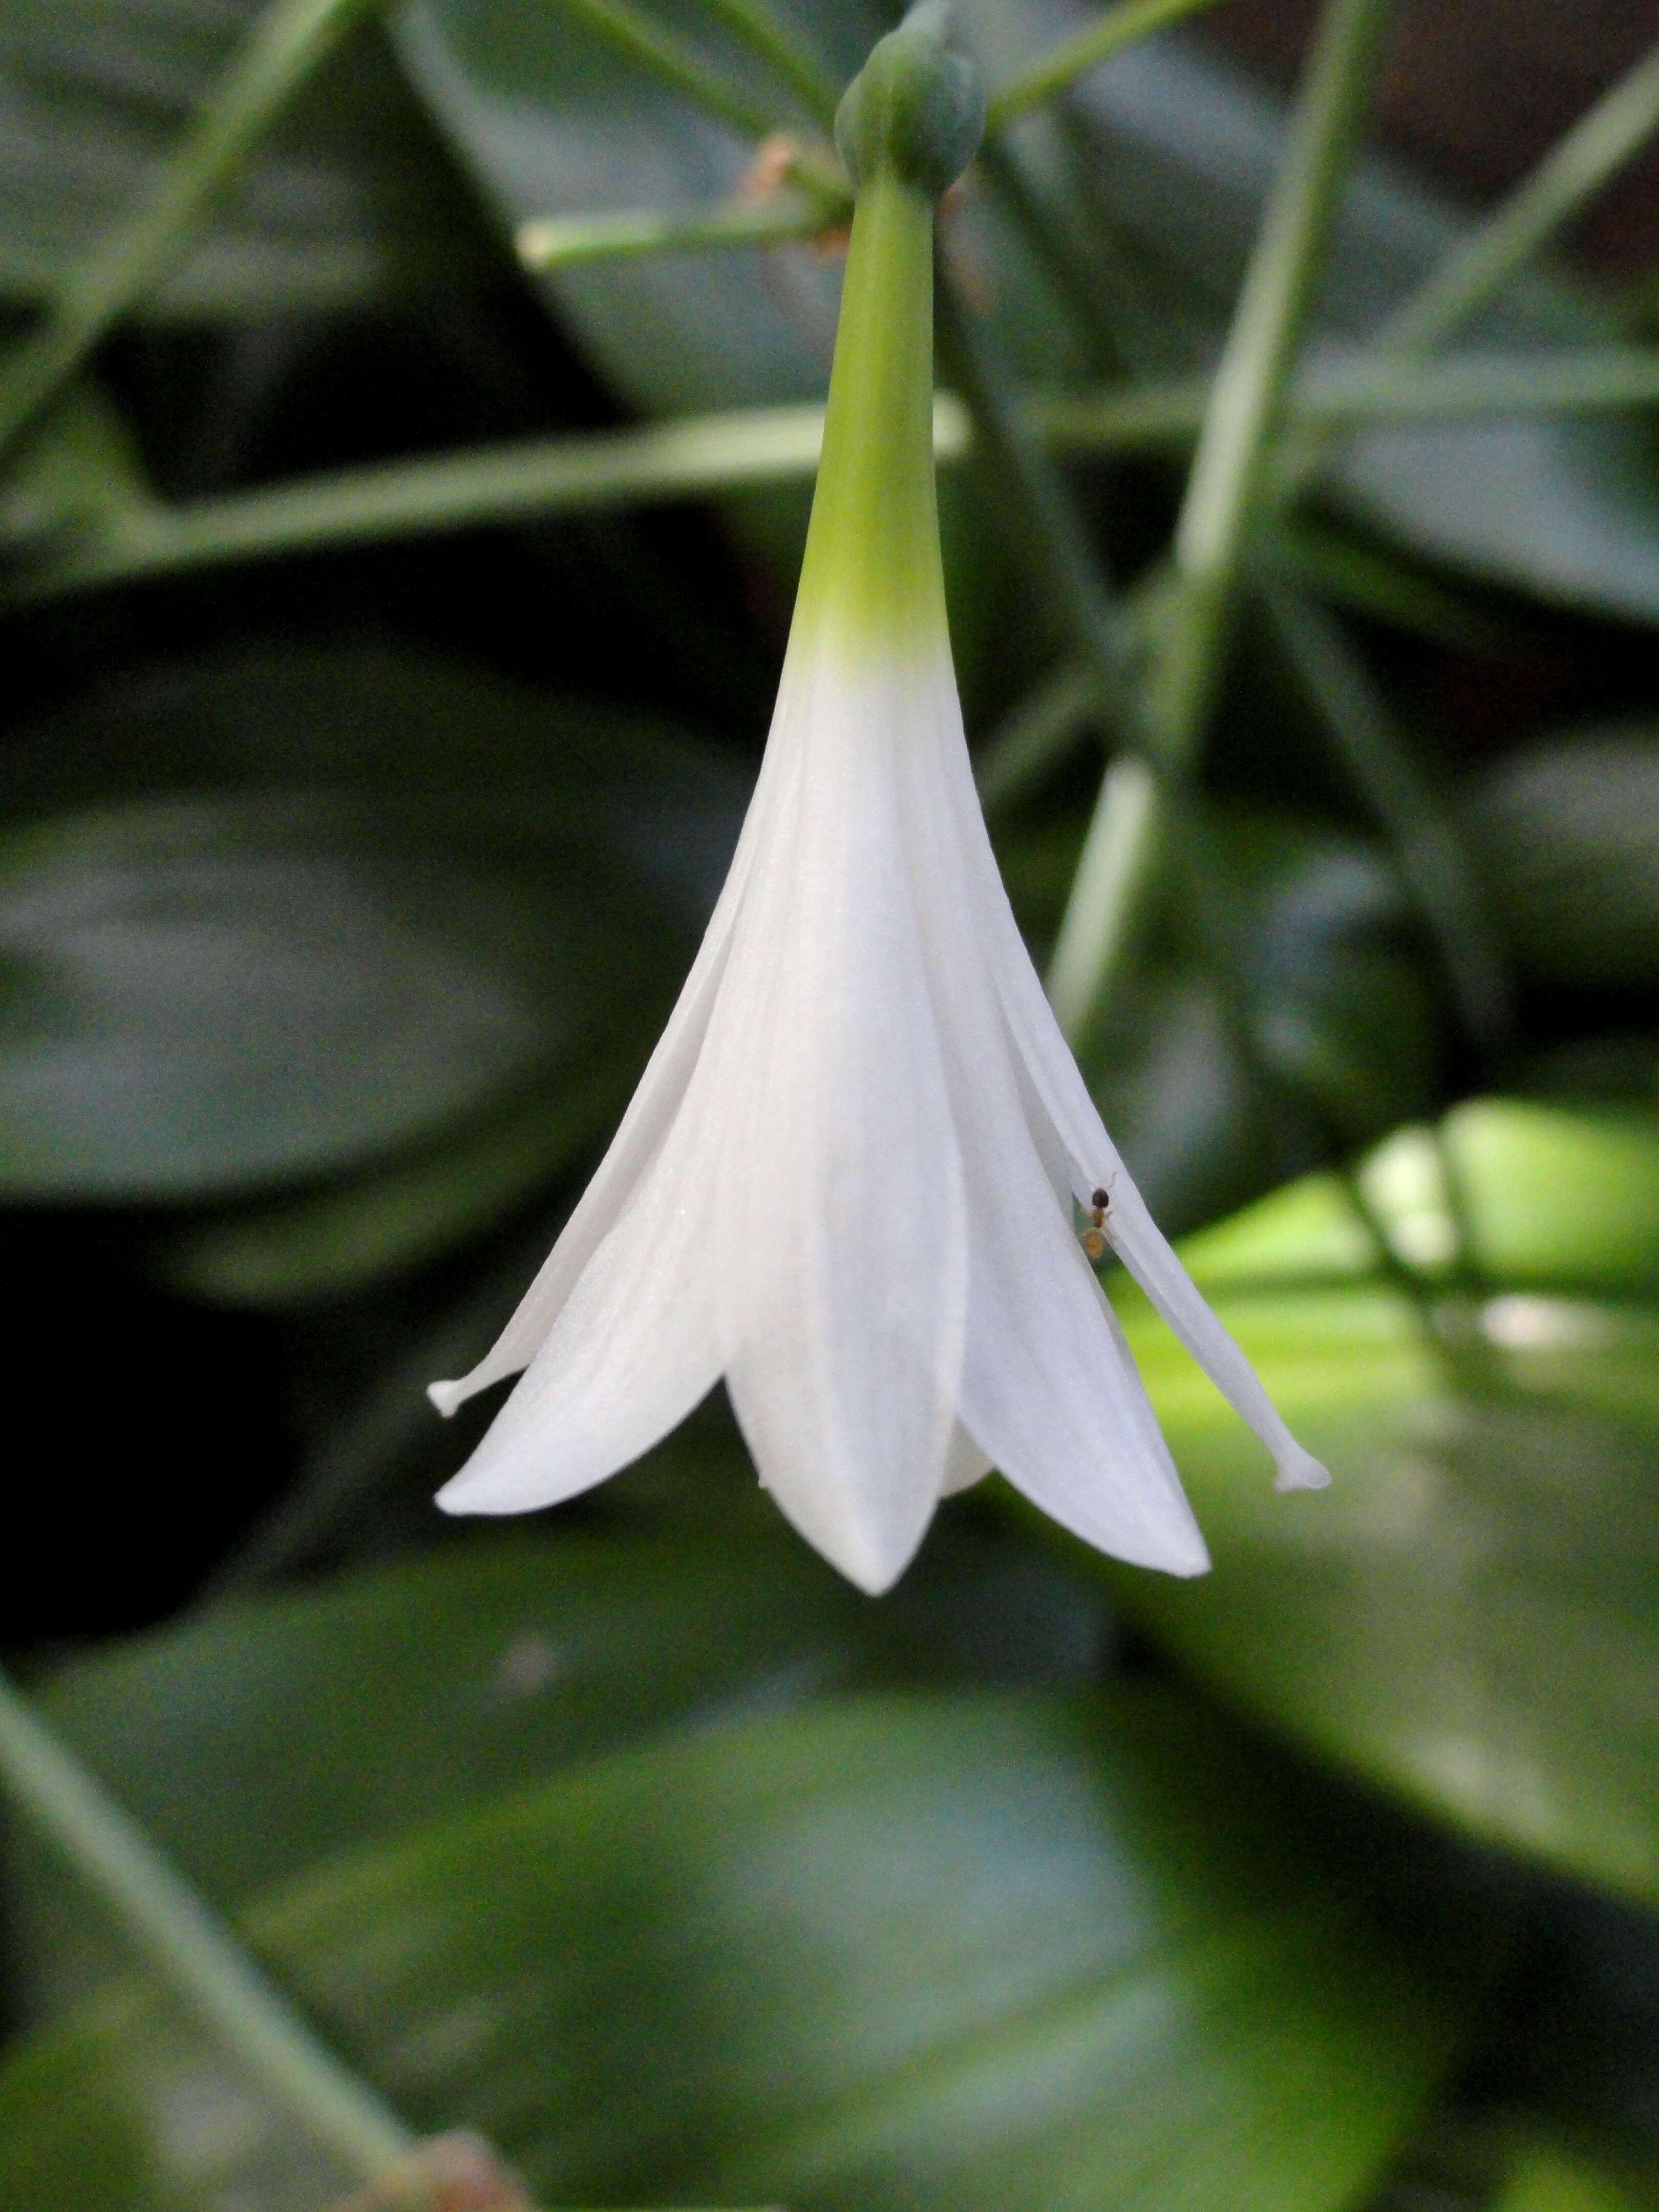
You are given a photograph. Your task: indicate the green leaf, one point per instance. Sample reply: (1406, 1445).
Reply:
(1567, 835)
(373, 718)
(1557, 2177)
(1470, 1614)
(1339, 1007)
(1182, 150)
(340, 1238)
(80, 465)
(947, 1951)
(349, 199)
(202, 996)
(444, 964)
(311, 1721)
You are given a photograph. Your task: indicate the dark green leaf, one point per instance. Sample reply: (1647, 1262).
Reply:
(311, 1721)
(944, 1951)
(456, 950)
(1567, 834)
(1471, 1613)
(1337, 1035)
(205, 996)
(80, 464)
(1183, 151)
(367, 718)
(328, 1241)
(350, 199)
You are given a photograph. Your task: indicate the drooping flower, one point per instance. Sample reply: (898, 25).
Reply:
(848, 1178)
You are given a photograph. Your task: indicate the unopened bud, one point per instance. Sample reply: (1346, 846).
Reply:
(917, 106)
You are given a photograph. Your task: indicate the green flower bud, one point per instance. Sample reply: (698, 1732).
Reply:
(917, 106)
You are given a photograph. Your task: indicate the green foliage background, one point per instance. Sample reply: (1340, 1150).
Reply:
(392, 635)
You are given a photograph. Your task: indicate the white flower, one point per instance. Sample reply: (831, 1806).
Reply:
(846, 1180)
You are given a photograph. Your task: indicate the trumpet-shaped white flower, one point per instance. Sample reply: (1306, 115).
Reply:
(846, 1180)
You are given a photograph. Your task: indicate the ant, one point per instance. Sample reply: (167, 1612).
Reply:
(1094, 1238)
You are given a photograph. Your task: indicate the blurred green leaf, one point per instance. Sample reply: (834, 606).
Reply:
(332, 1241)
(1181, 150)
(373, 718)
(446, 961)
(350, 198)
(1339, 1009)
(268, 1734)
(82, 464)
(1470, 1614)
(1554, 2178)
(1567, 835)
(937, 1951)
(202, 996)
(1493, 2155)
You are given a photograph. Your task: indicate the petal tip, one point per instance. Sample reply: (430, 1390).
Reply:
(1300, 1470)
(1184, 1556)
(445, 1396)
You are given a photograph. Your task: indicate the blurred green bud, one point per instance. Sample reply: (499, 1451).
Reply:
(917, 106)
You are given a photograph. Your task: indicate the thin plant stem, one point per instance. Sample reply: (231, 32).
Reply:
(286, 45)
(1088, 49)
(753, 22)
(563, 241)
(1039, 732)
(1609, 135)
(1072, 577)
(700, 454)
(1355, 394)
(188, 1947)
(587, 473)
(633, 33)
(1229, 477)
(1107, 880)
(1568, 177)
(1419, 827)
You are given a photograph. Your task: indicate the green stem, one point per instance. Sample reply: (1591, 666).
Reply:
(188, 1947)
(1059, 544)
(601, 469)
(1476, 271)
(723, 452)
(871, 575)
(1098, 928)
(1358, 394)
(1420, 826)
(1229, 477)
(633, 33)
(1038, 732)
(287, 44)
(1565, 182)
(1088, 49)
(799, 68)
(563, 241)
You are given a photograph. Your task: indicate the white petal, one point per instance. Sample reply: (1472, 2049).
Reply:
(641, 1133)
(842, 1253)
(965, 1464)
(1064, 1102)
(1048, 1390)
(633, 1348)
